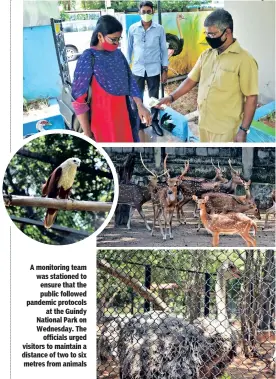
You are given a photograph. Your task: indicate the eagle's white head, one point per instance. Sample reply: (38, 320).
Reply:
(40, 125)
(71, 162)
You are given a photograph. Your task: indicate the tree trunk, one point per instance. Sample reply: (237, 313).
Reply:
(197, 285)
(124, 173)
(268, 292)
(134, 284)
(250, 304)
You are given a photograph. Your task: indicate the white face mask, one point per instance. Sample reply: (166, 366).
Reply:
(147, 17)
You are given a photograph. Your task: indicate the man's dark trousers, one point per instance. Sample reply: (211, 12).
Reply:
(153, 83)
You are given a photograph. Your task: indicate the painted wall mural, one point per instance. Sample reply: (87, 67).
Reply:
(185, 38)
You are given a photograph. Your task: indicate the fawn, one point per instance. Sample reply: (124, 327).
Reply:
(230, 223)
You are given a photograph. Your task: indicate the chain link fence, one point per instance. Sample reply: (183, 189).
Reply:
(186, 314)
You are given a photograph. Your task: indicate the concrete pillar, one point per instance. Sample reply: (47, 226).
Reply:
(157, 157)
(247, 161)
(247, 32)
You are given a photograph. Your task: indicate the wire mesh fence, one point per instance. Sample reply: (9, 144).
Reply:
(178, 314)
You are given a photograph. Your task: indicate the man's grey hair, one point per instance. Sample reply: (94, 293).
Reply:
(221, 19)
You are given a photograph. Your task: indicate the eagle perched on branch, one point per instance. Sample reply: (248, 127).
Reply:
(59, 185)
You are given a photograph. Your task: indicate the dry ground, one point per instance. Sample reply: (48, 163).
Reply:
(185, 104)
(184, 235)
(240, 368)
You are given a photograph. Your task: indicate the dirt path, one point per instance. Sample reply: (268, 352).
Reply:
(184, 235)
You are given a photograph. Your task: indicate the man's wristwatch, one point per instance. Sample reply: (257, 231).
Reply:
(247, 131)
(164, 69)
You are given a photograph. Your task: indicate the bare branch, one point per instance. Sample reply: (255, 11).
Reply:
(67, 205)
(133, 283)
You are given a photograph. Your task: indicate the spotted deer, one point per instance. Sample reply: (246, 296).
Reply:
(195, 186)
(218, 178)
(164, 199)
(225, 203)
(230, 223)
(135, 196)
(271, 210)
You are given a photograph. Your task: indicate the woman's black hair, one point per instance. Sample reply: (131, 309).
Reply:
(106, 25)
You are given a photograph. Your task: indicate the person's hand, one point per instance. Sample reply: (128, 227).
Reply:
(144, 114)
(164, 101)
(240, 136)
(164, 77)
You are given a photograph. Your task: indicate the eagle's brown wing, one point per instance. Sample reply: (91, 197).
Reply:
(50, 188)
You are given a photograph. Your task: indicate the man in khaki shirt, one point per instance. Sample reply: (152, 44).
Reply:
(227, 76)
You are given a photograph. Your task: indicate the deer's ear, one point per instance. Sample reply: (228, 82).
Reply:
(249, 182)
(206, 198)
(194, 198)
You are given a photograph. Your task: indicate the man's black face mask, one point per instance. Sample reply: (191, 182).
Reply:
(216, 42)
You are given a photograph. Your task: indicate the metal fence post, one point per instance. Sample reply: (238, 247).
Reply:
(132, 301)
(207, 291)
(147, 285)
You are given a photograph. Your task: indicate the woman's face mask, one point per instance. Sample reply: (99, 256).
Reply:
(110, 44)
(215, 43)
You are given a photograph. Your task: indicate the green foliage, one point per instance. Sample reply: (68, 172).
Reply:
(64, 16)
(25, 175)
(92, 5)
(226, 376)
(166, 6)
(167, 267)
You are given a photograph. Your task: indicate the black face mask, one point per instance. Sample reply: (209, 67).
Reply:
(215, 42)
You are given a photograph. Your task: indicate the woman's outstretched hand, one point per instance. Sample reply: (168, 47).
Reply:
(144, 114)
(164, 101)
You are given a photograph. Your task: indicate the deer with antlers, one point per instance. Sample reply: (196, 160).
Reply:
(224, 203)
(201, 187)
(164, 199)
(190, 186)
(135, 196)
(230, 223)
(271, 210)
(218, 178)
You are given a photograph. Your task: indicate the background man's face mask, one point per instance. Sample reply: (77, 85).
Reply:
(215, 43)
(146, 17)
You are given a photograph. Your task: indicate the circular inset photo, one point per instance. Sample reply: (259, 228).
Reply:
(59, 188)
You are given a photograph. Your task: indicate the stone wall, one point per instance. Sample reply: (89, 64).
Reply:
(257, 163)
